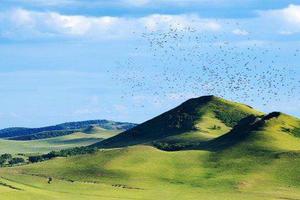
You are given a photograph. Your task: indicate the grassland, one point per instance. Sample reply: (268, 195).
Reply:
(256, 158)
(53, 144)
(143, 172)
(264, 164)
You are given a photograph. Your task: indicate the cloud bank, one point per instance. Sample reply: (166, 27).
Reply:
(287, 20)
(26, 24)
(23, 24)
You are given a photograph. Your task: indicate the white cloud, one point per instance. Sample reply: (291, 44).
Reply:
(158, 22)
(291, 14)
(26, 24)
(22, 24)
(286, 20)
(240, 32)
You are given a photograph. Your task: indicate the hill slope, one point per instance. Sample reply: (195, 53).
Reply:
(275, 131)
(195, 120)
(42, 146)
(259, 133)
(61, 129)
(142, 172)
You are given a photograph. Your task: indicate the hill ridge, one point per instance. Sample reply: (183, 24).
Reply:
(190, 116)
(274, 127)
(67, 126)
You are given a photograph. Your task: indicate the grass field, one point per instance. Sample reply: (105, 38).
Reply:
(143, 172)
(52, 144)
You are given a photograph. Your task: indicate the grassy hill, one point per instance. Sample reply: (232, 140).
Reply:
(61, 129)
(41, 146)
(275, 131)
(196, 120)
(58, 137)
(252, 156)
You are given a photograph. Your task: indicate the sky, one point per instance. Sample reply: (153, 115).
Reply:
(72, 60)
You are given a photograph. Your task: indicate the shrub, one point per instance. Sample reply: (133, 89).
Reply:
(16, 160)
(6, 156)
(63, 153)
(34, 159)
(2, 162)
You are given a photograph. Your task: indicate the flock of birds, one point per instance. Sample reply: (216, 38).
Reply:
(179, 62)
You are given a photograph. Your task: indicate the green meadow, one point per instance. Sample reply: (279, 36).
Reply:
(143, 172)
(53, 144)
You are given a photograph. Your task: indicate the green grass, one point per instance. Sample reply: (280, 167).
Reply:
(143, 172)
(53, 144)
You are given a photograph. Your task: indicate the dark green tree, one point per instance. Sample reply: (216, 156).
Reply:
(14, 161)
(6, 156)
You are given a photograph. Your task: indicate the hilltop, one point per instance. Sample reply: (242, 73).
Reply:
(196, 120)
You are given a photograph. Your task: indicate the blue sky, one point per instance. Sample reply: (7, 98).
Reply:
(70, 60)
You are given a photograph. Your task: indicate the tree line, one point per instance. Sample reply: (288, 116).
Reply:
(62, 153)
(8, 160)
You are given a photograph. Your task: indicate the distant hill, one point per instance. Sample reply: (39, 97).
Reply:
(61, 129)
(44, 135)
(36, 144)
(196, 120)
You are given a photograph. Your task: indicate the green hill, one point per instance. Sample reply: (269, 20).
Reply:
(61, 129)
(275, 131)
(252, 157)
(196, 120)
(92, 129)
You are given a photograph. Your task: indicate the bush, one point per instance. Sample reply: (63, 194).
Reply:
(6, 156)
(34, 159)
(2, 162)
(17, 160)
